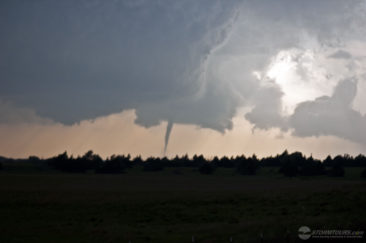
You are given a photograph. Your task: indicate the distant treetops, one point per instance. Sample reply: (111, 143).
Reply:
(294, 164)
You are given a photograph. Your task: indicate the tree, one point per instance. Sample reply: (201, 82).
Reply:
(290, 163)
(114, 165)
(226, 162)
(153, 164)
(328, 161)
(137, 160)
(198, 160)
(270, 161)
(89, 161)
(33, 158)
(360, 160)
(311, 167)
(247, 166)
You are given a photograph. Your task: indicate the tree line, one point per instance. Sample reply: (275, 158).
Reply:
(289, 164)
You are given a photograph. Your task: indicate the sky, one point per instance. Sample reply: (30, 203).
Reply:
(167, 77)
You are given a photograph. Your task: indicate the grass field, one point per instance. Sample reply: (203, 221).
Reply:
(174, 204)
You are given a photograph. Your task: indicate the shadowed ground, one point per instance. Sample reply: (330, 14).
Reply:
(174, 204)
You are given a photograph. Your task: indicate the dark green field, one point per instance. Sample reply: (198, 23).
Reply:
(174, 204)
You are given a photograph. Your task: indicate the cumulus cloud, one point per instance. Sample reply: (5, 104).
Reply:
(331, 115)
(266, 113)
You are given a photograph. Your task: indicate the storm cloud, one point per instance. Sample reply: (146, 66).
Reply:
(187, 61)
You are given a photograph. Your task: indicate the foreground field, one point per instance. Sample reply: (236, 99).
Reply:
(174, 205)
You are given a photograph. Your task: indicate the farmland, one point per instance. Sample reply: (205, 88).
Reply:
(175, 204)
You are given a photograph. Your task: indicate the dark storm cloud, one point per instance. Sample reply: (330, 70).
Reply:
(76, 60)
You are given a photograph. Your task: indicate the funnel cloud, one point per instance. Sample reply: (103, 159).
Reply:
(167, 135)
